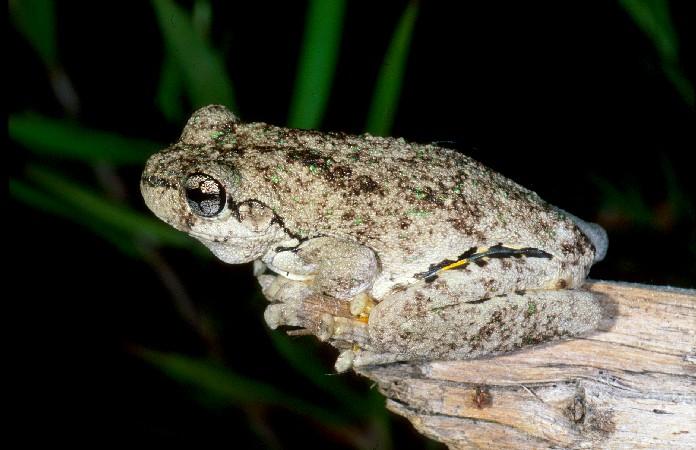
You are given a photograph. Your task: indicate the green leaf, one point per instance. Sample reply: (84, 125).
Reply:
(170, 91)
(202, 18)
(220, 382)
(62, 139)
(317, 63)
(88, 203)
(653, 18)
(45, 202)
(628, 202)
(388, 89)
(36, 20)
(205, 76)
(310, 366)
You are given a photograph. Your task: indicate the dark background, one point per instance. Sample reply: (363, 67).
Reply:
(569, 99)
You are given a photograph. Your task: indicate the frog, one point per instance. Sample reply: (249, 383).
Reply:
(390, 250)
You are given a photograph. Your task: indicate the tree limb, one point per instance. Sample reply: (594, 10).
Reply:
(630, 384)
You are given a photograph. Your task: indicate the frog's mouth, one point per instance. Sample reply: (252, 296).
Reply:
(233, 250)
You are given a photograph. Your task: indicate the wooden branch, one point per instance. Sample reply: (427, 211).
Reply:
(631, 384)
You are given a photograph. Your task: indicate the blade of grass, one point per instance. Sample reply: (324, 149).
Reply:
(119, 217)
(388, 88)
(220, 382)
(205, 76)
(43, 201)
(61, 139)
(653, 18)
(317, 62)
(677, 196)
(202, 18)
(36, 20)
(170, 91)
(308, 365)
(628, 202)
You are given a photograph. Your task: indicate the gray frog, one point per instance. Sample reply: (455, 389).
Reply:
(391, 251)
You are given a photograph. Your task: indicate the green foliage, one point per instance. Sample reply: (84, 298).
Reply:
(628, 203)
(66, 140)
(317, 63)
(653, 18)
(204, 74)
(216, 381)
(311, 367)
(36, 20)
(59, 195)
(388, 89)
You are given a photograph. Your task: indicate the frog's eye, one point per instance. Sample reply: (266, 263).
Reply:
(205, 194)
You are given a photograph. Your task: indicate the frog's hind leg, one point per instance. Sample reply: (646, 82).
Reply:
(430, 322)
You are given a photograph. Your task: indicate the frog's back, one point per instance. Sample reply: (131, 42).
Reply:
(402, 199)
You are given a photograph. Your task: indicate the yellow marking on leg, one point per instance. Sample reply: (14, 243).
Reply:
(456, 264)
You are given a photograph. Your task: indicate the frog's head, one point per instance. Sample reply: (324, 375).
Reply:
(195, 188)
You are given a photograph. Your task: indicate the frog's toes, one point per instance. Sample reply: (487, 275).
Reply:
(361, 305)
(357, 357)
(344, 361)
(279, 314)
(265, 281)
(281, 289)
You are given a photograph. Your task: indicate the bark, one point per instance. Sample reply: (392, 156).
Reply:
(630, 384)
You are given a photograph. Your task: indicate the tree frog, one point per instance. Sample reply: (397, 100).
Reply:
(432, 254)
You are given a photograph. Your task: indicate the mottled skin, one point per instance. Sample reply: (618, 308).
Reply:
(346, 216)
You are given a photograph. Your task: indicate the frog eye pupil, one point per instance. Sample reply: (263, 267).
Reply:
(205, 195)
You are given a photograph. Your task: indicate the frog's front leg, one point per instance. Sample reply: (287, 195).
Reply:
(330, 266)
(434, 321)
(320, 285)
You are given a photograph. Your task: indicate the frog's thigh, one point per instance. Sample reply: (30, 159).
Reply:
(426, 322)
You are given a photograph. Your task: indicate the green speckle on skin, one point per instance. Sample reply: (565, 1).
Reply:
(420, 195)
(357, 221)
(531, 309)
(314, 169)
(458, 188)
(216, 134)
(296, 199)
(417, 212)
(277, 176)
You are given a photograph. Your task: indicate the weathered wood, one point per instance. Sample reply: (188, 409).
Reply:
(631, 384)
